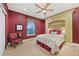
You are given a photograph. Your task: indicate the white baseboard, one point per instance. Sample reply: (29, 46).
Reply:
(72, 44)
(28, 39)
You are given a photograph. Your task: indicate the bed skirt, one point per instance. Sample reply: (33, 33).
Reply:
(47, 47)
(44, 46)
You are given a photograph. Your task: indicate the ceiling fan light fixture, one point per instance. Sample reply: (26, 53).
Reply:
(43, 7)
(24, 9)
(44, 11)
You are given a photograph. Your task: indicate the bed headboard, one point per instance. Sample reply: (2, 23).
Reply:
(57, 31)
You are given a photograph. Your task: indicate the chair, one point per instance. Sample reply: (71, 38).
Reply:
(14, 39)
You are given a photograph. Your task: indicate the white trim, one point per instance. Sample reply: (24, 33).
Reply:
(72, 44)
(3, 8)
(29, 39)
(31, 34)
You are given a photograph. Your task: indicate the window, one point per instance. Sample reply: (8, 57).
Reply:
(30, 27)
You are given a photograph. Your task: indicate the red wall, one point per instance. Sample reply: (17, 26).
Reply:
(76, 25)
(18, 18)
(6, 24)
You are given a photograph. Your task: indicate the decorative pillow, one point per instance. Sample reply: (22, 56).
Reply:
(53, 32)
(58, 32)
(63, 32)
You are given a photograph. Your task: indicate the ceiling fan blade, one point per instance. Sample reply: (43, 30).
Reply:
(49, 9)
(39, 11)
(38, 6)
(47, 5)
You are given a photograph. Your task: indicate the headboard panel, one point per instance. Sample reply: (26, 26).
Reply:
(57, 31)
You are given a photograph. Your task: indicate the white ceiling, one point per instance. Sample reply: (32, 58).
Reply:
(31, 9)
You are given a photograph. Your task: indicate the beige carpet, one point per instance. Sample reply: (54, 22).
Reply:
(69, 50)
(30, 48)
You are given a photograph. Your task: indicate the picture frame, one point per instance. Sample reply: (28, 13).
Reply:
(19, 27)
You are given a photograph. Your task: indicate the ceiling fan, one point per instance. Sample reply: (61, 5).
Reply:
(43, 7)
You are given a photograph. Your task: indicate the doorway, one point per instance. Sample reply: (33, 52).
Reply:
(2, 31)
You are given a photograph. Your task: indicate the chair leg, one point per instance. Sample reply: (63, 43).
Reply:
(21, 42)
(13, 45)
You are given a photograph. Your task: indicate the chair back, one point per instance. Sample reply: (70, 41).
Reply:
(13, 36)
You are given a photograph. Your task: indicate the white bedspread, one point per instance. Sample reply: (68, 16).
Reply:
(53, 41)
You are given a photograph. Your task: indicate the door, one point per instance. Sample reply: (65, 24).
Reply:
(2, 31)
(76, 26)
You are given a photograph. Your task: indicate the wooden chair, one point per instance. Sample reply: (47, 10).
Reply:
(14, 39)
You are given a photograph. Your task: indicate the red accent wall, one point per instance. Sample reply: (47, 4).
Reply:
(18, 18)
(6, 24)
(76, 26)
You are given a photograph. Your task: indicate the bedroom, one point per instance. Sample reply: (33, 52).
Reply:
(43, 29)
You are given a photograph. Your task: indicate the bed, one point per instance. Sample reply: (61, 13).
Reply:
(51, 42)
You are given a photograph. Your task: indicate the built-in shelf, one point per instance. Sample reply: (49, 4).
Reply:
(57, 23)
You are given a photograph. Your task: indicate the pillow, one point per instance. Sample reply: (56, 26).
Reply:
(63, 32)
(58, 32)
(53, 32)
